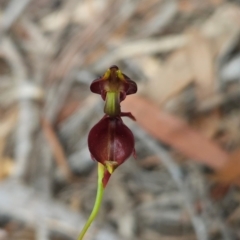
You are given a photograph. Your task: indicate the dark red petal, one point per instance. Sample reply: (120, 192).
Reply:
(122, 96)
(111, 140)
(132, 86)
(97, 85)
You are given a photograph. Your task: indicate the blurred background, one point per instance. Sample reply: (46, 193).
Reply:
(184, 56)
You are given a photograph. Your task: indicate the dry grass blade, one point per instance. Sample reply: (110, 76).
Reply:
(57, 149)
(12, 13)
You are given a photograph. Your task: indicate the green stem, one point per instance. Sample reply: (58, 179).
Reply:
(100, 191)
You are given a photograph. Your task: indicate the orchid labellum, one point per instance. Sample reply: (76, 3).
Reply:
(110, 143)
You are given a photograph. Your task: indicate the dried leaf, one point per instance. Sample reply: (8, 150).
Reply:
(175, 132)
(168, 79)
(6, 167)
(208, 124)
(201, 62)
(230, 173)
(57, 149)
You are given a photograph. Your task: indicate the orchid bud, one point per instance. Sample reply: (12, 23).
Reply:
(113, 87)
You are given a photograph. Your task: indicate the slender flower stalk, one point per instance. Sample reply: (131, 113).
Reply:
(97, 204)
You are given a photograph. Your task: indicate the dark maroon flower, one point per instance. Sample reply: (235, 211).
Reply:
(110, 142)
(113, 86)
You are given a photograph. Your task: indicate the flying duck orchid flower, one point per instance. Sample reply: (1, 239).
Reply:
(110, 141)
